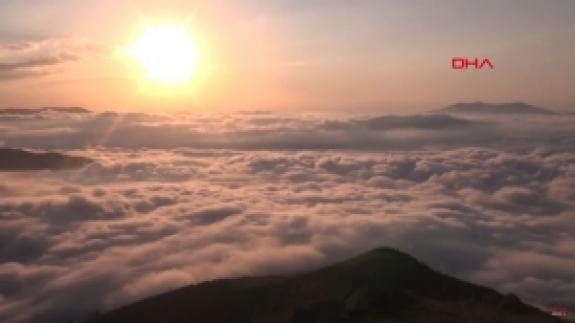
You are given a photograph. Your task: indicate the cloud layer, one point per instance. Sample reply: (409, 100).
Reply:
(68, 130)
(146, 220)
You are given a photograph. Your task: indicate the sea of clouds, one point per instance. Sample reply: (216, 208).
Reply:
(178, 199)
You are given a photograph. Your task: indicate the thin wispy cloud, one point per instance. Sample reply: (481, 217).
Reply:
(26, 59)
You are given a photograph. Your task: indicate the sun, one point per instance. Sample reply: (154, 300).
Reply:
(167, 53)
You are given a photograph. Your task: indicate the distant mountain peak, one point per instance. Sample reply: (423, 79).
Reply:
(480, 107)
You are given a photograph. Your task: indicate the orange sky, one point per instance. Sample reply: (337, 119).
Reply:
(289, 55)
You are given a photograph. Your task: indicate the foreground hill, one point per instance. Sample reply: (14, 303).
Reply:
(515, 108)
(16, 159)
(383, 285)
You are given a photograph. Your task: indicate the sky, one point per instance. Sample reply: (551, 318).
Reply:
(386, 56)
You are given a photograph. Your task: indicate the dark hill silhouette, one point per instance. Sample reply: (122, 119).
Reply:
(383, 285)
(496, 108)
(16, 159)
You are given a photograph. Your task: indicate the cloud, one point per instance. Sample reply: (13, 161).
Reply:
(26, 59)
(213, 215)
(248, 131)
(429, 121)
(20, 74)
(71, 208)
(145, 220)
(40, 62)
(518, 199)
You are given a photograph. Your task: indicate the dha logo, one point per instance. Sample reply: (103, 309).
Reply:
(464, 63)
(559, 311)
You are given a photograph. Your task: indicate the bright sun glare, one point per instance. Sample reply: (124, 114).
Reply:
(166, 53)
